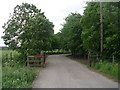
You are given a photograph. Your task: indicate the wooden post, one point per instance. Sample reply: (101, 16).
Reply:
(41, 53)
(27, 62)
(113, 59)
(101, 28)
(97, 56)
(44, 56)
(88, 55)
(89, 61)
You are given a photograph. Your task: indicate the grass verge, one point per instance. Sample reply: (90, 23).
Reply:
(111, 70)
(15, 75)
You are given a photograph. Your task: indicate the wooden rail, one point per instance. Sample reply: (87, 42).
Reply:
(37, 60)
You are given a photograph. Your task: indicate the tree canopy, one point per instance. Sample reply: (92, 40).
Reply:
(81, 33)
(28, 30)
(71, 33)
(91, 30)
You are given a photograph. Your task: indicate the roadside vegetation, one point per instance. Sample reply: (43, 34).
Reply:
(108, 68)
(14, 73)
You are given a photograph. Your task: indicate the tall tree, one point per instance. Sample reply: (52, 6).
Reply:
(28, 30)
(111, 29)
(91, 28)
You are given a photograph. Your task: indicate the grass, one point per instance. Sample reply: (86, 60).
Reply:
(18, 76)
(15, 74)
(8, 54)
(108, 68)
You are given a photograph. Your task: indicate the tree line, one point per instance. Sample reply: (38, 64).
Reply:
(81, 33)
(29, 31)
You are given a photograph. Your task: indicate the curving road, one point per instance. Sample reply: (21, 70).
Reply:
(62, 72)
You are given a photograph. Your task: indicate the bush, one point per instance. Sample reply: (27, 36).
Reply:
(97, 65)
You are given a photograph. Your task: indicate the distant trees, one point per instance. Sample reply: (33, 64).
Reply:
(56, 41)
(28, 30)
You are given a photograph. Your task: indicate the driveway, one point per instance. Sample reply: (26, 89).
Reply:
(62, 72)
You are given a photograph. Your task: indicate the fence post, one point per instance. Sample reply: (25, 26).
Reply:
(44, 55)
(113, 59)
(97, 56)
(89, 61)
(88, 55)
(42, 59)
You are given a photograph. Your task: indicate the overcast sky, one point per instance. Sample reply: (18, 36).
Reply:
(55, 10)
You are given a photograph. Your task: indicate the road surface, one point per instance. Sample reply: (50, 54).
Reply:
(62, 72)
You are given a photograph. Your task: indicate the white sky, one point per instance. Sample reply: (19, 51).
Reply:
(55, 10)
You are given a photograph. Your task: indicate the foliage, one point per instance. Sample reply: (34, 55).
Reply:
(58, 51)
(91, 30)
(28, 30)
(111, 30)
(108, 68)
(56, 41)
(7, 55)
(81, 34)
(90, 34)
(16, 75)
(71, 34)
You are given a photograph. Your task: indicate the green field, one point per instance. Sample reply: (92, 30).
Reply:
(7, 52)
